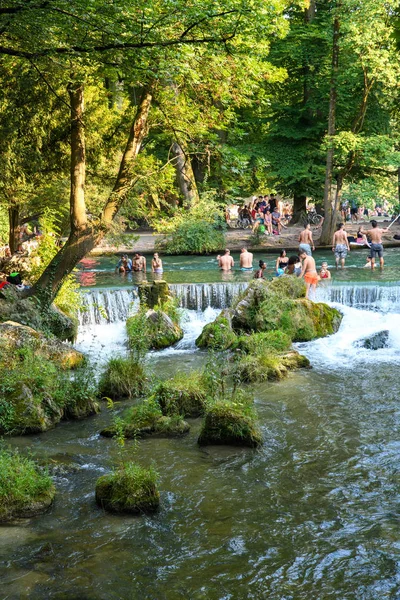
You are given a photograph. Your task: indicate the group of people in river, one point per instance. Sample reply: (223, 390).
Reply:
(138, 264)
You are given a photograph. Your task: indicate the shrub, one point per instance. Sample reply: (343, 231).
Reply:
(138, 339)
(24, 490)
(123, 378)
(233, 423)
(129, 489)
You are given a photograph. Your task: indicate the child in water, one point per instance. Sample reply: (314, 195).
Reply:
(324, 272)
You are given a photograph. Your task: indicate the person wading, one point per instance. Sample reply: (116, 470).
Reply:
(225, 262)
(246, 260)
(375, 235)
(306, 240)
(340, 245)
(308, 271)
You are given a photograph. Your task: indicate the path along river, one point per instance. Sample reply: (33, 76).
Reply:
(313, 515)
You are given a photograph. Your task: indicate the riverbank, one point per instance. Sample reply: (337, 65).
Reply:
(237, 238)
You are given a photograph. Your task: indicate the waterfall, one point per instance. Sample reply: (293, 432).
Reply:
(104, 305)
(365, 296)
(199, 296)
(100, 306)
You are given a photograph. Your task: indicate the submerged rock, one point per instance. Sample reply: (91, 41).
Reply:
(130, 489)
(377, 341)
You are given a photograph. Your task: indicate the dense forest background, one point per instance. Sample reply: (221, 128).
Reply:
(118, 113)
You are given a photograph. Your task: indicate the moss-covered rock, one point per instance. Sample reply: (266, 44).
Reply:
(130, 489)
(27, 311)
(123, 378)
(147, 420)
(161, 329)
(219, 334)
(154, 294)
(184, 394)
(268, 307)
(252, 368)
(263, 342)
(25, 490)
(14, 336)
(230, 423)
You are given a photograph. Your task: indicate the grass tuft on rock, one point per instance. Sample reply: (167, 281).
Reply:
(25, 491)
(123, 378)
(130, 489)
(146, 419)
(231, 423)
(184, 394)
(217, 335)
(264, 342)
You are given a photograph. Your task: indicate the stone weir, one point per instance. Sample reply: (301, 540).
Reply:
(108, 305)
(383, 297)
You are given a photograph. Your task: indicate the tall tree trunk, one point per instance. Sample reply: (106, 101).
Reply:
(77, 205)
(330, 199)
(300, 199)
(85, 235)
(299, 209)
(13, 227)
(184, 175)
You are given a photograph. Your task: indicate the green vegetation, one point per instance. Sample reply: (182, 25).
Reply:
(128, 489)
(147, 419)
(264, 343)
(231, 422)
(154, 328)
(123, 378)
(35, 394)
(24, 490)
(184, 394)
(217, 335)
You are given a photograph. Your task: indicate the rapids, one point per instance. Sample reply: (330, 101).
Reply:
(313, 515)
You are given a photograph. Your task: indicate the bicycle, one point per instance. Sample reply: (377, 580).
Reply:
(313, 218)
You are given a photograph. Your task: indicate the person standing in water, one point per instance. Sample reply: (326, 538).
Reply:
(259, 274)
(340, 245)
(156, 264)
(281, 263)
(306, 240)
(139, 262)
(246, 260)
(375, 235)
(308, 271)
(226, 261)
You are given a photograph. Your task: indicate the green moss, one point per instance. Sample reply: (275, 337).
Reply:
(146, 419)
(217, 335)
(251, 368)
(184, 394)
(24, 490)
(269, 341)
(288, 286)
(129, 489)
(231, 423)
(123, 378)
(153, 329)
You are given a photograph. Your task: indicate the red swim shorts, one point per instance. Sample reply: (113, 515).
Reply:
(311, 278)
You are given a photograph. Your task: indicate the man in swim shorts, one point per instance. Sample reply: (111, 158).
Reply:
(340, 245)
(246, 260)
(376, 248)
(306, 241)
(308, 271)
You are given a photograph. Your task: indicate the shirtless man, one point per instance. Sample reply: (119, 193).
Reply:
(306, 241)
(139, 262)
(375, 235)
(308, 271)
(246, 260)
(340, 245)
(226, 261)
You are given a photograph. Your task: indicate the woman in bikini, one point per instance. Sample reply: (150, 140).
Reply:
(281, 263)
(324, 272)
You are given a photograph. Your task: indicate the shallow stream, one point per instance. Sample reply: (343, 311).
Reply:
(312, 515)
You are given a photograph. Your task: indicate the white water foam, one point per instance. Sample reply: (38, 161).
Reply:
(341, 350)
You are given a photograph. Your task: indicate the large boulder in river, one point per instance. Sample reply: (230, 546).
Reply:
(162, 330)
(233, 424)
(265, 306)
(15, 336)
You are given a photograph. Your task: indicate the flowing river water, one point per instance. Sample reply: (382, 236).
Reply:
(312, 515)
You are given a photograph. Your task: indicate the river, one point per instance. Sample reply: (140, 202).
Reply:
(312, 515)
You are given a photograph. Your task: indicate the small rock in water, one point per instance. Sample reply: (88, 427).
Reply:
(375, 342)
